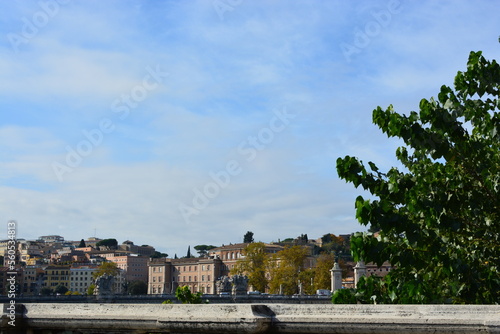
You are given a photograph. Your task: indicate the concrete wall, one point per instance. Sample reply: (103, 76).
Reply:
(251, 318)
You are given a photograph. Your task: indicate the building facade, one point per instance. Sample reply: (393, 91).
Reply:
(199, 274)
(81, 278)
(135, 267)
(57, 275)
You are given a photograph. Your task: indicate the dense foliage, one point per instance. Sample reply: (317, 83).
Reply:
(285, 267)
(203, 249)
(439, 216)
(109, 268)
(137, 288)
(248, 237)
(253, 263)
(184, 295)
(111, 243)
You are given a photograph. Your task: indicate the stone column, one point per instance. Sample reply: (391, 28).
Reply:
(336, 274)
(359, 271)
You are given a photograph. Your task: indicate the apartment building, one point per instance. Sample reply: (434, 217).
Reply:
(81, 278)
(33, 280)
(144, 250)
(51, 239)
(199, 274)
(57, 275)
(135, 267)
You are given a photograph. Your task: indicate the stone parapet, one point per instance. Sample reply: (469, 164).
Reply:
(252, 318)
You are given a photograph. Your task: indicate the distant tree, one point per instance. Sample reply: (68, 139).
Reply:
(188, 255)
(60, 289)
(46, 291)
(203, 249)
(334, 244)
(322, 274)
(158, 255)
(306, 279)
(253, 264)
(90, 290)
(109, 268)
(111, 243)
(248, 237)
(175, 256)
(137, 288)
(326, 238)
(285, 267)
(439, 217)
(81, 244)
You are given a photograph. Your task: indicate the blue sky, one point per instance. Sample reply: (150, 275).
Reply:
(176, 123)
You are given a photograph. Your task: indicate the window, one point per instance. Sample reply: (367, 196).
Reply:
(203, 268)
(208, 267)
(159, 279)
(203, 278)
(208, 278)
(189, 279)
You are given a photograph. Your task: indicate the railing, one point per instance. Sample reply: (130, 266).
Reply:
(155, 299)
(249, 318)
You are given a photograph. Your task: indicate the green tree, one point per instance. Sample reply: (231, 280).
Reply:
(184, 294)
(111, 243)
(90, 290)
(248, 237)
(109, 268)
(137, 288)
(60, 289)
(439, 217)
(158, 255)
(253, 264)
(285, 267)
(188, 255)
(332, 243)
(203, 249)
(46, 291)
(81, 244)
(322, 274)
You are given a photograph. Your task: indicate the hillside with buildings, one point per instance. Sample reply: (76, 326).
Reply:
(52, 265)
